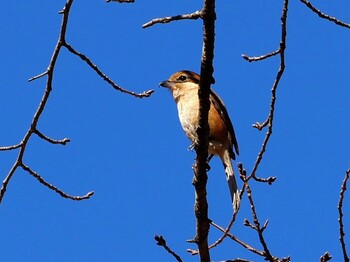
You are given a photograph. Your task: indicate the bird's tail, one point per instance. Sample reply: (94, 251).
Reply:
(230, 177)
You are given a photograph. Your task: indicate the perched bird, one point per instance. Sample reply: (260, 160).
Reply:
(184, 87)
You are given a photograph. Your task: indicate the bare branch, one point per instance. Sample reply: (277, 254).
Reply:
(49, 72)
(168, 19)
(52, 187)
(340, 219)
(269, 121)
(325, 16)
(326, 257)
(104, 76)
(161, 242)
(7, 180)
(234, 238)
(38, 76)
(242, 173)
(7, 148)
(61, 42)
(200, 172)
(63, 141)
(256, 225)
(258, 58)
(268, 180)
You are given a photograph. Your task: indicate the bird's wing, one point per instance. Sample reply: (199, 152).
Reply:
(220, 107)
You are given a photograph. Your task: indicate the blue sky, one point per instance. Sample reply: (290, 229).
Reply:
(133, 154)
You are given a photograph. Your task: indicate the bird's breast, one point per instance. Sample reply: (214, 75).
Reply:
(188, 109)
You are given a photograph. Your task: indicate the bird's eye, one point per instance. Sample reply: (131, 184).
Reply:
(182, 78)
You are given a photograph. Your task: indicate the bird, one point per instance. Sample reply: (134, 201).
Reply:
(184, 86)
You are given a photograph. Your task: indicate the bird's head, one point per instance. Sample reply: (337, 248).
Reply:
(181, 80)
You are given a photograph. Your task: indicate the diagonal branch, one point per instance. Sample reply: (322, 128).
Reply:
(52, 187)
(33, 127)
(234, 238)
(44, 99)
(104, 76)
(161, 242)
(325, 16)
(49, 73)
(63, 141)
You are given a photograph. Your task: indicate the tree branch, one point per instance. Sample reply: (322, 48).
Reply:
(200, 172)
(324, 16)
(269, 121)
(169, 19)
(7, 148)
(234, 238)
(52, 187)
(161, 242)
(104, 76)
(340, 219)
(258, 58)
(256, 226)
(63, 141)
(49, 72)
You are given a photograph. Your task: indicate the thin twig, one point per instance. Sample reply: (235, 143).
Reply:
(269, 121)
(4, 148)
(256, 225)
(104, 76)
(268, 180)
(245, 245)
(161, 242)
(325, 16)
(38, 76)
(168, 19)
(259, 58)
(63, 141)
(52, 187)
(340, 219)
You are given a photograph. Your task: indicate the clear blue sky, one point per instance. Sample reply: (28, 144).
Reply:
(133, 153)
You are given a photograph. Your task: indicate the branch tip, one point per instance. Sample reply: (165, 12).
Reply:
(160, 241)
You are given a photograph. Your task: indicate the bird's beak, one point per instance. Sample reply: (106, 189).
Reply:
(166, 84)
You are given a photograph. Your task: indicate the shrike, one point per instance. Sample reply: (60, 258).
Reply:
(184, 86)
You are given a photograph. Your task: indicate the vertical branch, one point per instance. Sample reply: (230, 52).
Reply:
(340, 219)
(200, 173)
